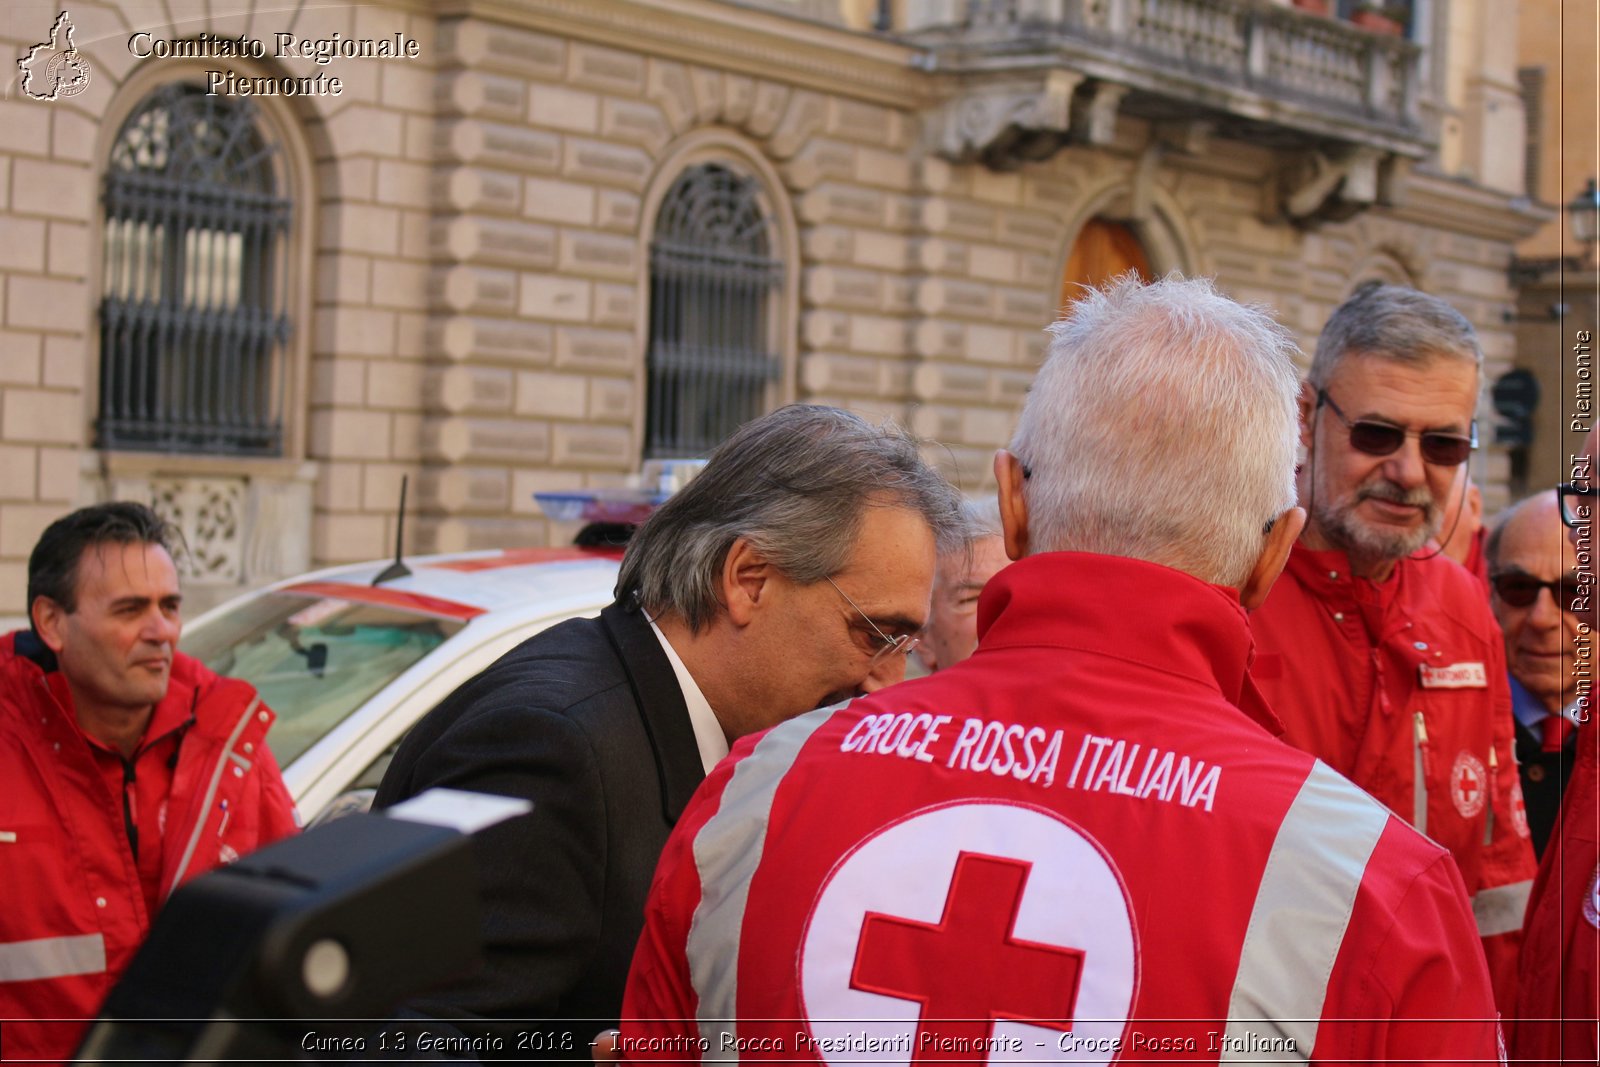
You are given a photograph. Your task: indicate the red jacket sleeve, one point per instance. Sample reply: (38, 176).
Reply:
(1559, 996)
(660, 1002)
(1410, 983)
(279, 817)
(658, 1008)
(1505, 873)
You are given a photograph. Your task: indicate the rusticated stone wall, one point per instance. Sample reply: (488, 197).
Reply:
(475, 258)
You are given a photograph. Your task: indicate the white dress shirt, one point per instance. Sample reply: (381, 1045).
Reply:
(708, 735)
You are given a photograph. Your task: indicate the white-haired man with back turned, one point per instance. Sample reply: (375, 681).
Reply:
(1084, 841)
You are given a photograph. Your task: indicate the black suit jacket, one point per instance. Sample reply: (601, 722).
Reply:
(587, 721)
(1544, 780)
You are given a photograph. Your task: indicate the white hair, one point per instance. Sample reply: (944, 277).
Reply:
(1162, 426)
(980, 519)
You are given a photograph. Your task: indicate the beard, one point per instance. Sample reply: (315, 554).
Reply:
(1365, 540)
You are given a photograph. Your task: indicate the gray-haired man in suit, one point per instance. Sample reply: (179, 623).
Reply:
(795, 563)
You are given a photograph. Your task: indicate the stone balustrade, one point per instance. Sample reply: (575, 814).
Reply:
(1248, 60)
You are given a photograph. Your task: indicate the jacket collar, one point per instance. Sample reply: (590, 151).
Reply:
(26, 644)
(31, 662)
(1129, 610)
(174, 713)
(659, 698)
(1326, 573)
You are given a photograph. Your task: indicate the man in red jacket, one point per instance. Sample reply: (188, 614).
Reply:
(1083, 842)
(1380, 655)
(128, 768)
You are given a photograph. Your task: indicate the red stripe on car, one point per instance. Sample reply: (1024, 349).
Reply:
(517, 557)
(392, 598)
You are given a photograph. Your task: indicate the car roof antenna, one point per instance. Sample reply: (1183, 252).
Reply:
(398, 568)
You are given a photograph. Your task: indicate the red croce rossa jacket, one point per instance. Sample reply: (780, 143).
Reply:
(1558, 1000)
(1401, 687)
(1083, 843)
(74, 912)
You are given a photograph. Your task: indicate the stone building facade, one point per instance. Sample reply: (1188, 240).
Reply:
(1557, 280)
(464, 249)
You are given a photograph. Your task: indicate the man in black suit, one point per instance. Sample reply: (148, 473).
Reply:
(1529, 558)
(794, 564)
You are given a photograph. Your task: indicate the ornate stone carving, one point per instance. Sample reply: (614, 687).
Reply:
(1094, 112)
(210, 512)
(1008, 122)
(1315, 188)
(239, 531)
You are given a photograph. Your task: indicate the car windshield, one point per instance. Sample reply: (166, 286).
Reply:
(314, 659)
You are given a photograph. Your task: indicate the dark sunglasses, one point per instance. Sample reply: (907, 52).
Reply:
(1521, 590)
(1381, 439)
(1574, 514)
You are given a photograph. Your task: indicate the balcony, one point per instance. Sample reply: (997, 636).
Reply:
(1030, 75)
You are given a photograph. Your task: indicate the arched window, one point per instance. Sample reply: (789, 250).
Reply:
(193, 320)
(716, 282)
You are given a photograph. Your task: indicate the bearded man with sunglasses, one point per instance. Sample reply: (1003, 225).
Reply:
(1379, 654)
(1533, 583)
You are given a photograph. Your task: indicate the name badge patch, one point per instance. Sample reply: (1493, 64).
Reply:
(1455, 676)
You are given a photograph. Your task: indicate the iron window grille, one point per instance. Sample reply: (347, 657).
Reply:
(193, 326)
(715, 286)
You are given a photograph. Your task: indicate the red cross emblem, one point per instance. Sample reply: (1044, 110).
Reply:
(968, 931)
(1467, 778)
(968, 969)
(1519, 809)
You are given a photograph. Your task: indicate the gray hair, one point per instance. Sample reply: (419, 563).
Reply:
(1163, 427)
(982, 518)
(979, 519)
(1395, 323)
(795, 483)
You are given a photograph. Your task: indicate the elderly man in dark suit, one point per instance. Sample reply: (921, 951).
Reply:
(784, 575)
(1533, 575)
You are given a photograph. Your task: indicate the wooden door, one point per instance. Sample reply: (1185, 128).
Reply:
(1103, 250)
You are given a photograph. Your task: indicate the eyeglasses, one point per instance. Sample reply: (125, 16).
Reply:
(899, 644)
(1381, 438)
(1574, 514)
(1520, 590)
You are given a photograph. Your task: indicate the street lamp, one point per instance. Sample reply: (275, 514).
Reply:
(1583, 217)
(1583, 223)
